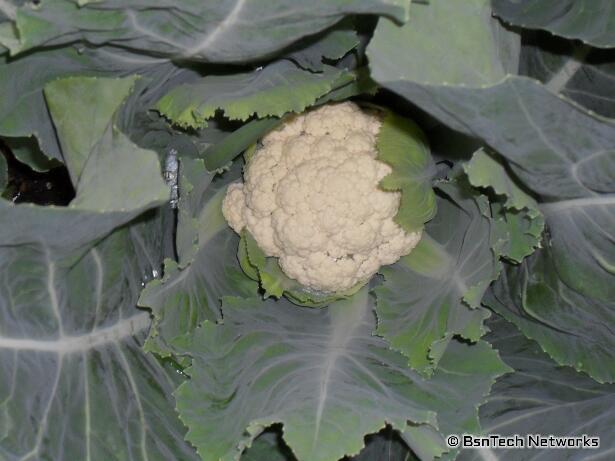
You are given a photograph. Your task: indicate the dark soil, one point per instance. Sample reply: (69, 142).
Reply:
(25, 185)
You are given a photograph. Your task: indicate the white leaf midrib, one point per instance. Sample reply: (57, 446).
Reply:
(602, 200)
(80, 343)
(44, 420)
(99, 279)
(137, 395)
(343, 326)
(222, 27)
(51, 289)
(231, 19)
(560, 79)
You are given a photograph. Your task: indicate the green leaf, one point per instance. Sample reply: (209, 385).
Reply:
(462, 381)
(347, 85)
(485, 171)
(221, 154)
(331, 45)
(591, 21)
(578, 200)
(27, 151)
(559, 151)
(274, 90)
(76, 383)
(315, 371)
(540, 397)
(521, 223)
(467, 53)
(542, 136)
(387, 444)
(322, 374)
(117, 164)
(190, 291)
(434, 293)
(578, 195)
(276, 283)
(520, 232)
(350, 84)
(199, 203)
(94, 148)
(402, 145)
(569, 172)
(82, 108)
(572, 328)
(579, 239)
(237, 32)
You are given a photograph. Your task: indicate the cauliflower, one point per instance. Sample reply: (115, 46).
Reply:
(311, 199)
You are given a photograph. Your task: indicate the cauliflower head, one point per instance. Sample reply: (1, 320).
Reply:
(310, 197)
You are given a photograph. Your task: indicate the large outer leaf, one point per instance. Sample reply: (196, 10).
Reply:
(581, 240)
(274, 90)
(324, 375)
(462, 380)
(208, 269)
(592, 21)
(221, 31)
(560, 151)
(434, 292)
(574, 329)
(465, 50)
(541, 397)
(76, 384)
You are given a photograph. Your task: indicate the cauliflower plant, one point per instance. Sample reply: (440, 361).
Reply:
(311, 198)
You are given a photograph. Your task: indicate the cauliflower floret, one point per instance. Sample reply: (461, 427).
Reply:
(311, 198)
(233, 206)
